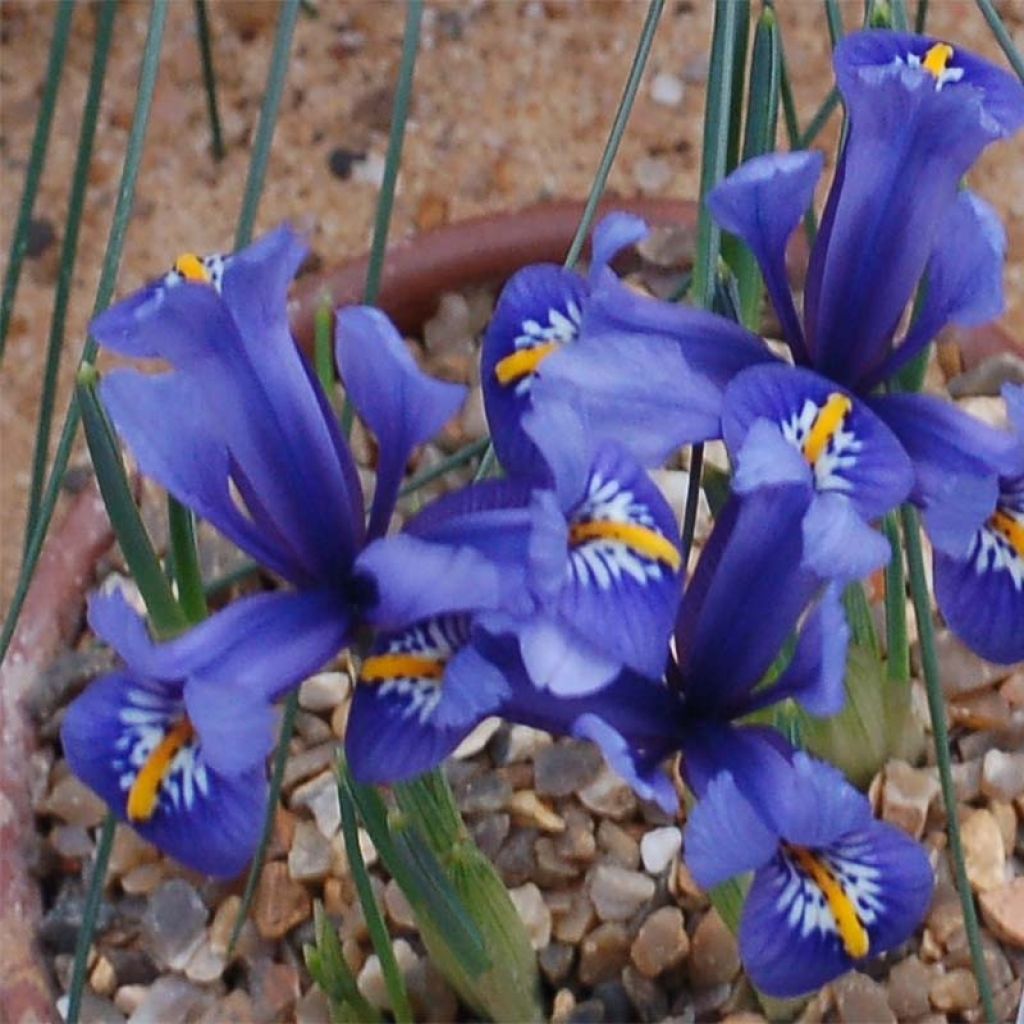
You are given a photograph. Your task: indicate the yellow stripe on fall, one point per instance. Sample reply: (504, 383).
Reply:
(523, 362)
(382, 667)
(145, 791)
(1005, 525)
(641, 539)
(937, 58)
(851, 930)
(190, 266)
(829, 419)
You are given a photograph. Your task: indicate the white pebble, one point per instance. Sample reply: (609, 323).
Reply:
(658, 847)
(667, 90)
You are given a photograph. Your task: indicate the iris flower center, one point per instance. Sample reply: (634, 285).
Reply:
(191, 268)
(641, 539)
(852, 932)
(937, 59)
(826, 424)
(145, 791)
(523, 362)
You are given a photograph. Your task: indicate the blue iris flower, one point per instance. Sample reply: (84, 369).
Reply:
(919, 114)
(832, 886)
(240, 431)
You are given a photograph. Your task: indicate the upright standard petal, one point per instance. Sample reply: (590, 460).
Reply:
(613, 233)
(132, 742)
(964, 279)
(401, 404)
(263, 408)
(762, 202)
(539, 311)
(920, 113)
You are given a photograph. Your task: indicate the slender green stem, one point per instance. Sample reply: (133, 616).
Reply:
(487, 464)
(715, 158)
(268, 121)
(995, 23)
(185, 560)
(291, 707)
(69, 251)
(214, 587)
(36, 160)
(371, 911)
(104, 290)
(692, 502)
(820, 118)
(900, 19)
(396, 139)
(921, 18)
(165, 612)
(93, 899)
(897, 641)
(937, 711)
(209, 79)
(323, 354)
(611, 147)
(465, 454)
(835, 22)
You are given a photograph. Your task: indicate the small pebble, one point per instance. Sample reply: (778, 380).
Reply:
(528, 809)
(1002, 775)
(300, 767)
(93, 1009)
(206, 964)
(324, 691)
(618, 844)
(369, 170)
(609, 796)
(397, 906)
(555, 961)
(170, 1000)
(274, 988)
(647, 998)
(320, 795)
(661, 942)
(667, 90)
(371, 977)
(74, 803)
(71, 841)
(714, 955)
(954, 991)
(477, 739)
(651, 174)
(483, 793)
(1003, 910)
(617, 893)
(533, 911)
(524, 742)
(430, 994)
(144, 879)
(906, 797)
(174, 923)
(309, 859)
(565, 768)
(908, 985)
(603, 953)
(281, 903)
(658, 847)
(984, 856)
(571, 925)
(859, 1000)
(449, 327)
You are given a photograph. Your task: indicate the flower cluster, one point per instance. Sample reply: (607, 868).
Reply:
(555, 595)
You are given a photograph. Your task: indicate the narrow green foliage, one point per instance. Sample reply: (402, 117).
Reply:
(184, 560)
(921, 18)
(323, 348)
(759, 138)
(396, 139)
(291, 707)
(820, 118)
(68, 253)
(164, 611)
(940, 733)
(488, 465)
(465, 454)
(371, 911)
(93, 899)
(692, 505)
(739, 75)
(875, 725)
(104, 290)
(717, 124)
(897, 641)
(328, 968)
(268, 120)
(209, 79)
(900, 19)
(611, 147)
(858, 615)
(36, 160)
(834, 17)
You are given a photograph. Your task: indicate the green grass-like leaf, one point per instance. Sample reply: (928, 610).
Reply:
(184, 561)
(1003, 37)
(36, 161)
(209, 79)
(68, 254)
(937, 712)
(622, 114)
(93, 899)
(897, 642)
(328, 968)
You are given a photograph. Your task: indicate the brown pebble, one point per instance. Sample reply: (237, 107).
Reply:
(984, 856)
(280, 903)
(1002, 775)
(860, 1000)
(661, 942)
(908, 988)
(714, 955)
(1003, 911)
(603, 953)
(431, 212)
(955, 991)
(906, 796)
